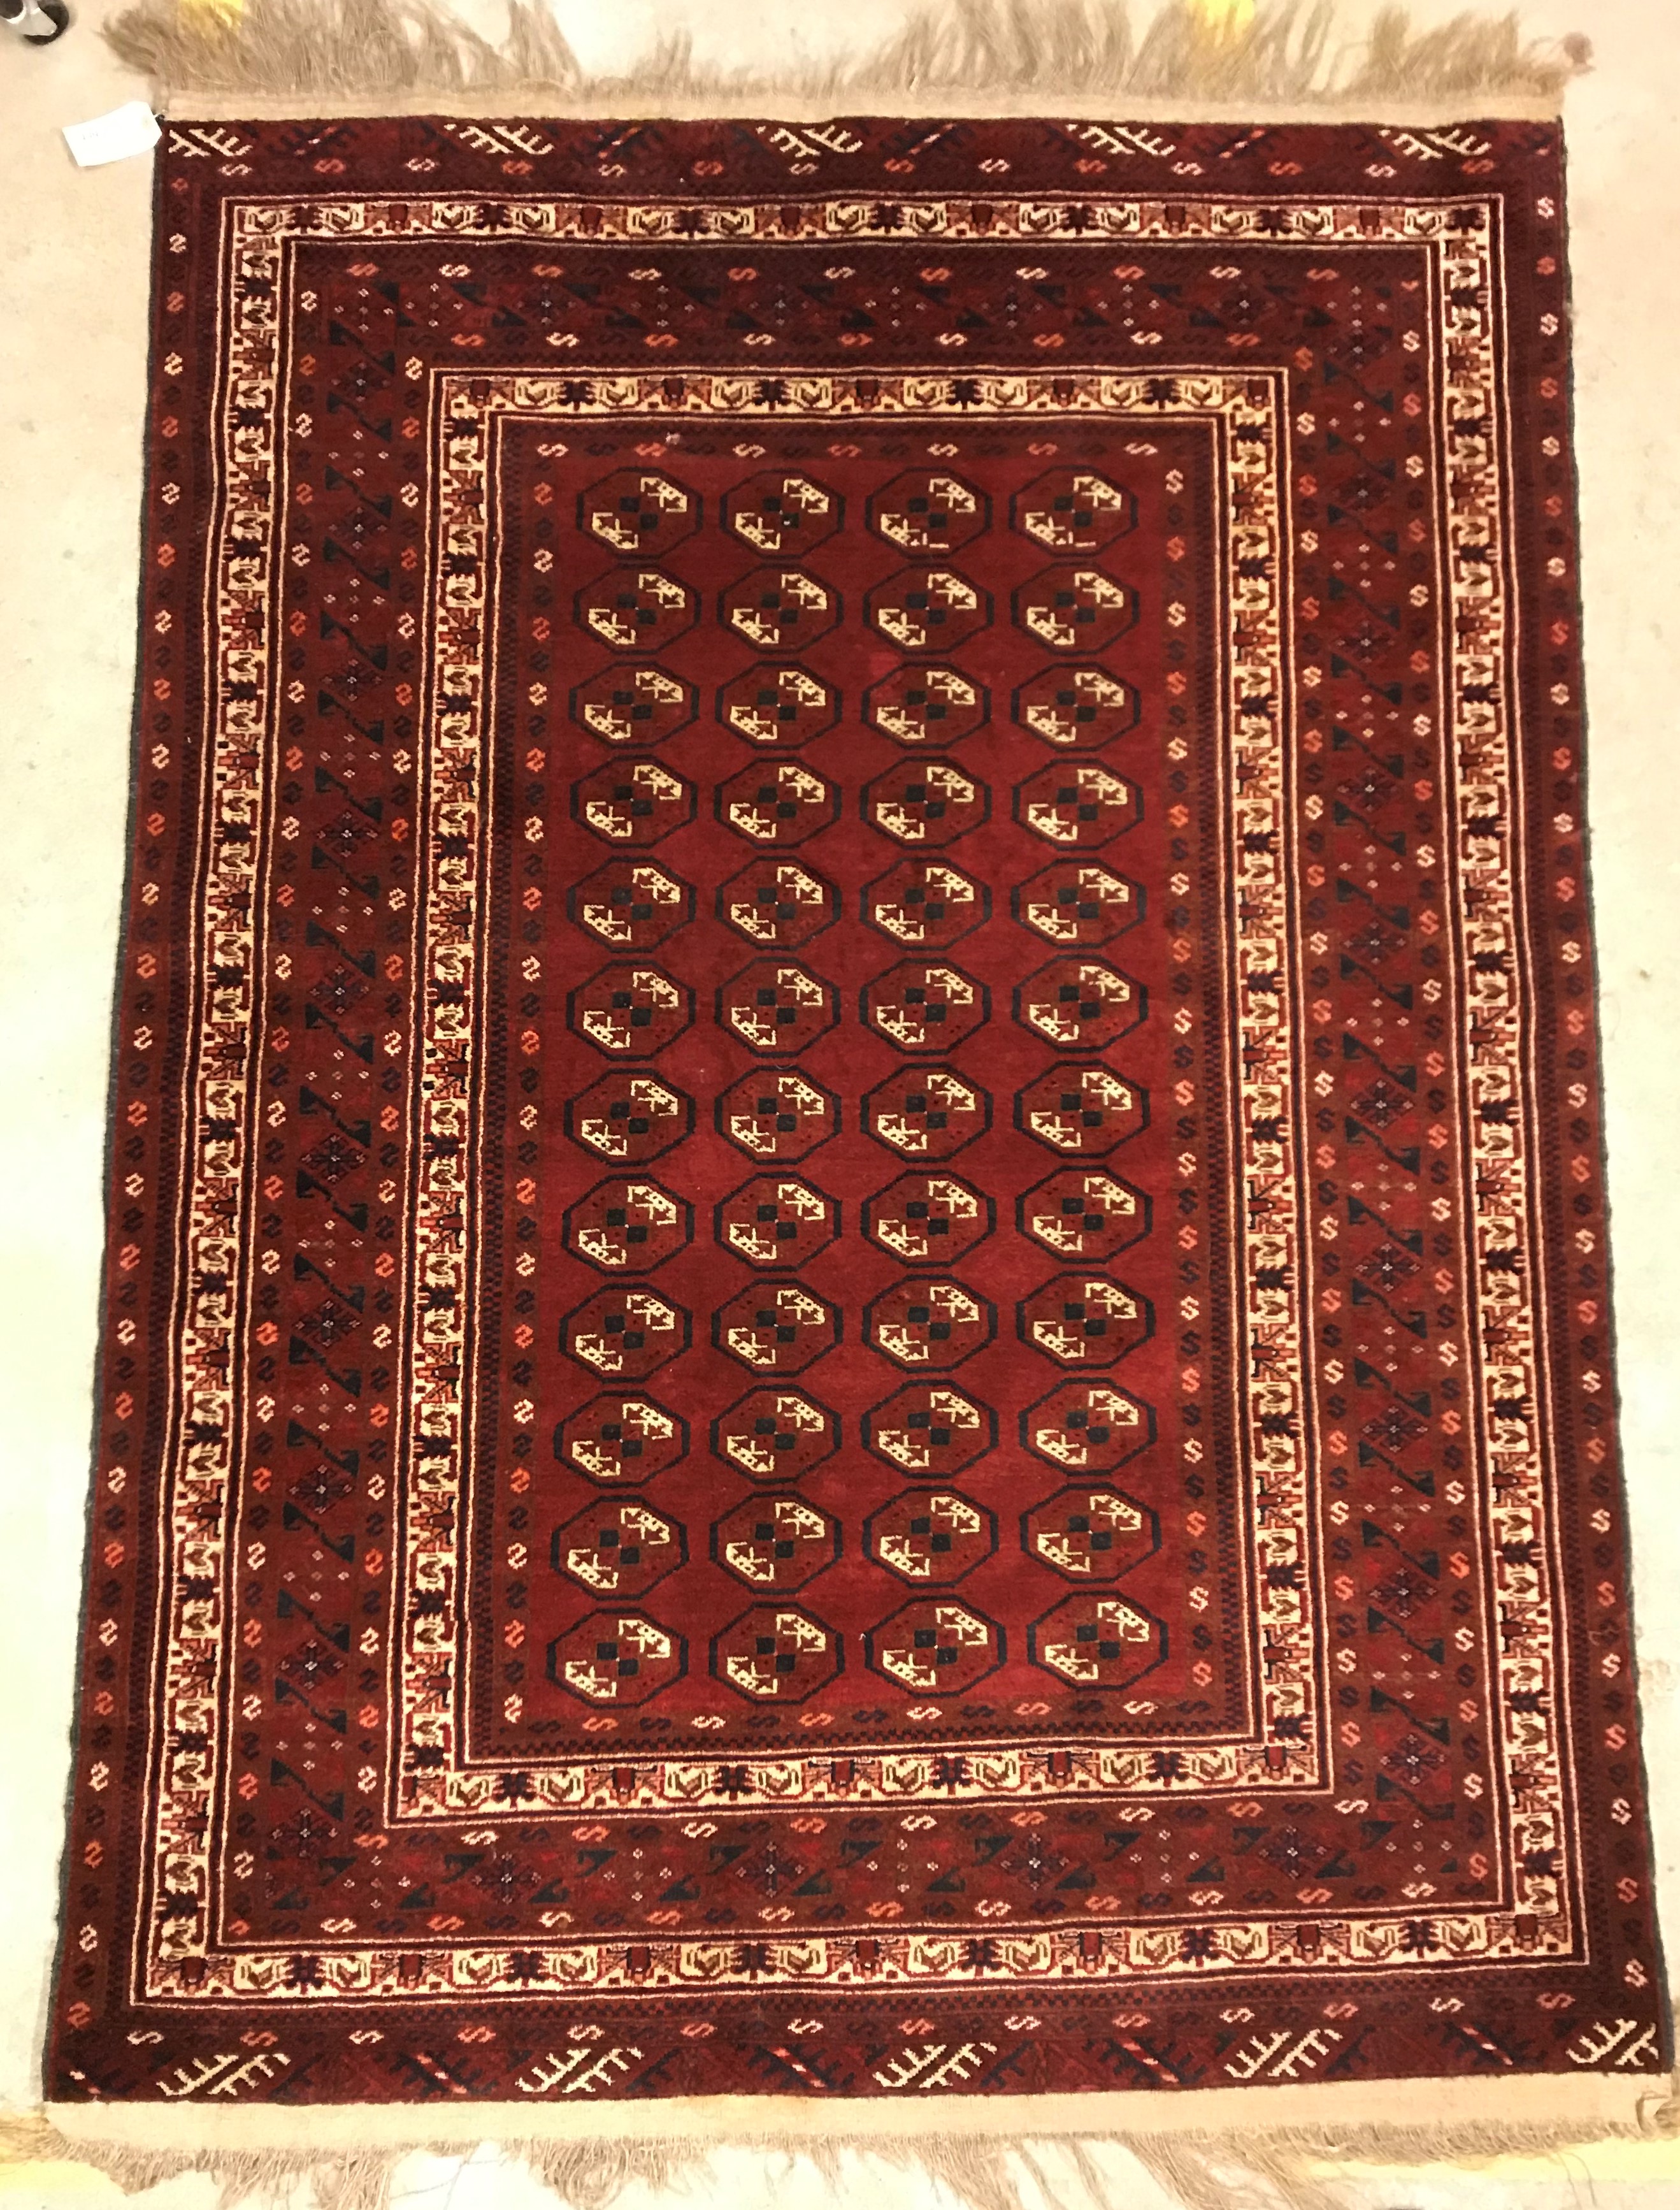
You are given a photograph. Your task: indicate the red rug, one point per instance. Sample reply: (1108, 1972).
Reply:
(857, 1331)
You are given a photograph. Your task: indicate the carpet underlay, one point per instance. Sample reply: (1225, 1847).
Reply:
(856, 1336)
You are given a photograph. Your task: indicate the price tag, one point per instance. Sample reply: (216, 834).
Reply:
(130, 128)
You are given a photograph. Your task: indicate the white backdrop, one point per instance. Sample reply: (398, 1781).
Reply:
(74, 263)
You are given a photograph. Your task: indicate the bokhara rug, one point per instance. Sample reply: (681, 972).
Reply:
(857, 1333)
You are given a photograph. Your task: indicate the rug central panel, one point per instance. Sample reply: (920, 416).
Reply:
(858, 1023)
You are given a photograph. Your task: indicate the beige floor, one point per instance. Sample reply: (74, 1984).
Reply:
(73, 277)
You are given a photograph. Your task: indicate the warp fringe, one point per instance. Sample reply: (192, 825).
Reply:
(1274, 54)
(1245, 2168)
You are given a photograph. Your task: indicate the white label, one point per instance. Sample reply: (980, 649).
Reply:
(130, 128)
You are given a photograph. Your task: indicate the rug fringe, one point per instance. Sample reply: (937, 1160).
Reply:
(1274, 54)
(1259, 2165)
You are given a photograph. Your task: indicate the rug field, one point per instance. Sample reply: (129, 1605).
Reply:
(856, 1335)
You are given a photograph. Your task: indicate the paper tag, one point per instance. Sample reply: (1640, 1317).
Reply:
(130, 128)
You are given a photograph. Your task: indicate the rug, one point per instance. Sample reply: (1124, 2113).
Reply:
(856, 1337)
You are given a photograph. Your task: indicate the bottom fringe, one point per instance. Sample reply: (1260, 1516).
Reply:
(1196, 2170)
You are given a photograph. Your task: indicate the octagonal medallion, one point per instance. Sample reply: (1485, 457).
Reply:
(1080, 1004)
(777, 802)
(1073, 510)
(926, 706)
(931, 1537)
(778, 902)
(633, 801)
(641, 706)
(1085, 1320)
(776, 1327)
(935, 1647)
(926, 902)
(1077, 805)
(775, 1542)
(927, 609)
(930, 1431)
(1084, 1213)
(1077, 902)
(625, 1331)
(776, 1220)
(780, 512)
(925, 1004)
(929, 510)
(1076, 709)
(926, 1112)
(621, 1438)
(778, 705)
(777, 1113)
(779, 610)
(1093, 1641)
(1087, 1426)
(1075, 608)
(1090, 1534)
(628, 1225)
(775, 1653)
(775, 1434)
(629, 1117)
(614, 1658)
(637, 609)
(929, 1324)
(926, 1219)
(630, 904)
(776, 1005)
(619, 1547)
(631, 1010)
(1081, 1111)
(926, 803)
(638, 511)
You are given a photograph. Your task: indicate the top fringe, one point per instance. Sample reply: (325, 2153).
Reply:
(1026, 56)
